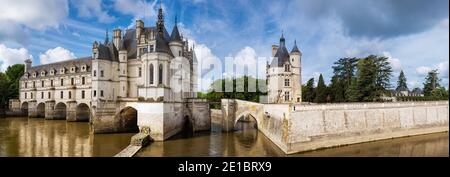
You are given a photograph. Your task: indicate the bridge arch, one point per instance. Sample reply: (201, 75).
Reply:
(40, 108)
(246, 117)
(128, 119)
(24, 108)
(188, 126)
(60, 111)
(83, 112)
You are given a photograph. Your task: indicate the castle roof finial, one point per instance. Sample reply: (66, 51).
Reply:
(282, 39)
(106, 37)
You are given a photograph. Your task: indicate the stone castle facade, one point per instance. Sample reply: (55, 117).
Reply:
(143, 78)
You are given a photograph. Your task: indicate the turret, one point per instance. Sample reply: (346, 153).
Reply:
(28, 64)
(176, 43)
(139, 28)
(117, 37)
(296, 55)
(95, 50)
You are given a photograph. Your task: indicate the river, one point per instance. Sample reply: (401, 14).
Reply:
(22, 137)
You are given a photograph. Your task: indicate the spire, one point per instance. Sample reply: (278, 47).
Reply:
(175, 32)
(160, 23)
(106, 37)
(295, 49)
(282, 39)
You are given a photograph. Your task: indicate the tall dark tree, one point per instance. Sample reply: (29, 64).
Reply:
(308, 93)
(367, 80)
(383, 73)
(345, 69)
(321, 91)
(401, 83)
(353, 93)
(336, 90)
(9, 83)
(431, 82)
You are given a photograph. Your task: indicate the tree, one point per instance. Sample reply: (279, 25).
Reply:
(383, 73)
(367, 79)
(308, 91)
(336, 90)
(344, 70)
(353, 94)
(9, 83)
(401, 83)
(321, 91)
(439, 94)
(431, 82)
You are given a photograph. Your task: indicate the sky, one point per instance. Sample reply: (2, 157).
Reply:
(414, 34)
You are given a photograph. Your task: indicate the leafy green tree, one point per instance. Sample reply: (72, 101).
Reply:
(439, 94)
(383, 73)
(9, 83)
(431, 82)
(308, 91)
(401, 83)
(321, 91)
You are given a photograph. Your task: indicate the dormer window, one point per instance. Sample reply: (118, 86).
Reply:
(83, 68)
(43, 73)
(26, 75)
(73, 69)
(34, 74)
(52, 72)
(62, 71)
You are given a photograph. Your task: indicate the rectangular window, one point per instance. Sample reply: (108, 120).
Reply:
(82, 94)
(70, 95)
(140, 72)
(72, 81)
(25, 95)
(95, 73)
(51, 83)
(102, 74)
(34, 84)
(152, 48)
(286, 83)
(62, 82)
(101, 93)
(83, 80)
(95, 93)
(42, 95)
(286, 96)
(62, 94)
(31, 95)
(42, 83)
(26, 84)
(49, 96)
(298, 100)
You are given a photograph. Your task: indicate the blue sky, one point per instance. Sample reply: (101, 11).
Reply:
(414, 34)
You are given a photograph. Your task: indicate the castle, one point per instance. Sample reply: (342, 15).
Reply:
(143, 80)
(284, 74)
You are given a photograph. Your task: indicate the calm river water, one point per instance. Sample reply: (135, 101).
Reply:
(36, 137)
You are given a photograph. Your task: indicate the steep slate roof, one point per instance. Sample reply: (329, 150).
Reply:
(58, 65)
(129, 42)
(282, 55)
(176, 34)
(295, 49)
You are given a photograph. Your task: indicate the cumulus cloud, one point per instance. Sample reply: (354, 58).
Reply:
(137, 8)
(34, 14)
(55, 55)
(395, 62)
(10, 56)
(93, 8)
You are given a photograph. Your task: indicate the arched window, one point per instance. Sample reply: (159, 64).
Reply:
(151, 74)
(160, 74)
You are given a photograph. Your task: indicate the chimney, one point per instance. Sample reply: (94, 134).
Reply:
(274, 50)
(139, 28)
(28, 64)
(117, 37)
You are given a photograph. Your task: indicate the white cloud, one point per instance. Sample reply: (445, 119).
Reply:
(10, 56)
(55, 55)
(443, 69)
(93, 8)
(395, 62)
(34, 14)
(423, 70)
(137, 8)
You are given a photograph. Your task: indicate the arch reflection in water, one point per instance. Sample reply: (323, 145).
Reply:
(22, 137)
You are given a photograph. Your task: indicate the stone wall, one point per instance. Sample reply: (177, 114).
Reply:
(320, 126)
